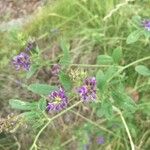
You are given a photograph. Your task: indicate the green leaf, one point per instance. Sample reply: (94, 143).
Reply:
(123, 101)
(65, 60)
(147, 35)
(136, 20)
(133, 36)
(105, 110)
(117, 55)
(110, 72)
(31, 71)
(41, 89)
(142, 70)
(104, 59)
(42, 104)
(65, 81)
(30, 115)
(21, 105)
(37, 49)
(35, 118)
(101, 80)
(144, 107)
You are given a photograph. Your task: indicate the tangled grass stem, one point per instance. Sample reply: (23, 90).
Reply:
(116, 9)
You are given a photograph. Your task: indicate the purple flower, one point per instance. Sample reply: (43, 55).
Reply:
(22, 61)
(146, 24)
(58, 99)
(55, 69)
(87, 92)
(100, 140)
(30, 46)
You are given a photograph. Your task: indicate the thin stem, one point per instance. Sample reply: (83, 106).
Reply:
(143, 139)
(95, 124)
(126, 127)
(135, 62)
(49, 121)
(127, 66)
(137, 82)
(115, 9)
(89, 65)
(18, 144)
(68, 141)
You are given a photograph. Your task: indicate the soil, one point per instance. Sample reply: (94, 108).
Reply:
(13, 9)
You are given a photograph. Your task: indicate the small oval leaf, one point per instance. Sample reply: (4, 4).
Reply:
(42, 104)
(142, 70)
(41, 89)
(101, 80)
(104, 59)
(117, 55)
(21, 105)
(133, 37)
(65, 81)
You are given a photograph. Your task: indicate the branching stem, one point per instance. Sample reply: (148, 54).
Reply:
(49, 121)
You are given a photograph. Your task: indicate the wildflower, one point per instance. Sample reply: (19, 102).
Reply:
(55, 69)
(77, 75)
(146, 24)
(100, 140)
(88, 90)
(58, 99)
(22, 61)
(30, 46)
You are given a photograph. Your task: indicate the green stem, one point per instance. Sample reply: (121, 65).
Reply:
(127, 66)
(135, 62)
(89, 65)
(49, 121)
(68, 141)
(126, 127)
(95, 124)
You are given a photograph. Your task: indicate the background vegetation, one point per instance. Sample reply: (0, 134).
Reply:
(92, 28)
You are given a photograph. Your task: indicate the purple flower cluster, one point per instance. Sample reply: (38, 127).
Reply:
(58, 99)
(87, 92)
(146, 24)
(22, 61)
(55, 69)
